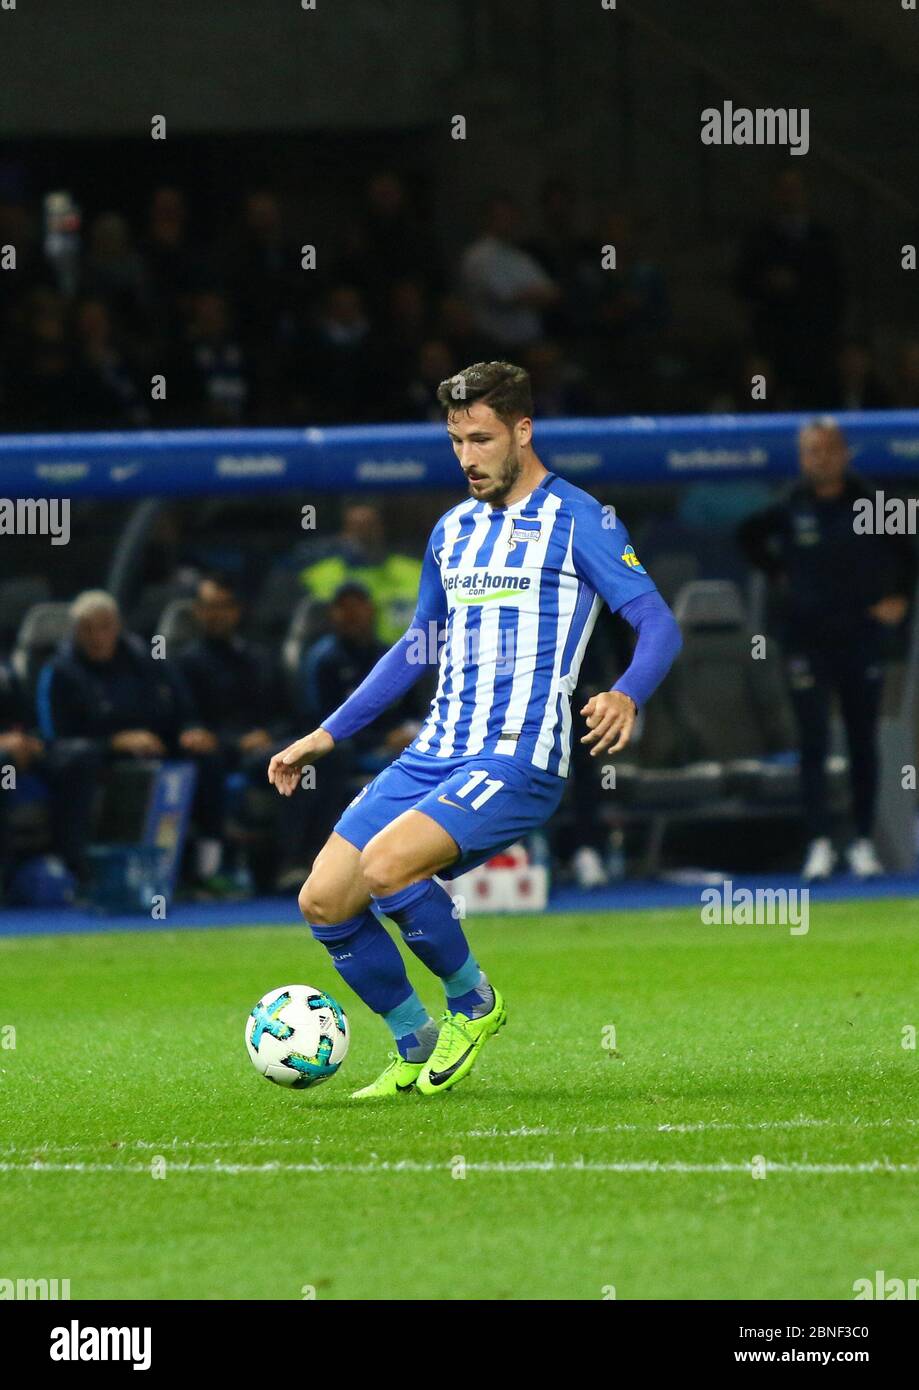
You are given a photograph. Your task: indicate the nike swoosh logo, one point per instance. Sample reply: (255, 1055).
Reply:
(448, 802)
(437, 1078)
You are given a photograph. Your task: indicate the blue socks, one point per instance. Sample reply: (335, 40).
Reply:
(426, 917)
(366, 957)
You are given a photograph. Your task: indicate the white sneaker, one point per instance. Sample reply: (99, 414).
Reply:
(588, 868)
(820, 861)
(863, 859)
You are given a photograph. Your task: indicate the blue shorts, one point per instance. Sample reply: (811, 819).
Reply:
(484, 803)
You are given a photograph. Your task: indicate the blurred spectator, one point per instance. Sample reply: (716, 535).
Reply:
(508, 289)
(208, 381)
(265, 280)
(385, 244)
(737, 396)
(114, 271)
(557, 245)
(360, 552)
(407, 324)
(19, 228)
(336, 381)
(456, 325)
(109, 395)
(234, 685)
(629, 304)
(433, 363)
(790, 277)
(561, 250)
(42, 385)
(622, 314)
(858, 386)
(558, 384)
(103, 697)
(175, 267)
(336, 664)
(236, 692)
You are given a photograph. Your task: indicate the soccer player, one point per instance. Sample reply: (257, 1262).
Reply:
(512, 582)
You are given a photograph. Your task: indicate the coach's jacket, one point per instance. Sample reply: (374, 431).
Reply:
(80, 699)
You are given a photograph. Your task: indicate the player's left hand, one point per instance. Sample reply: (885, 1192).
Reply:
(610, 719)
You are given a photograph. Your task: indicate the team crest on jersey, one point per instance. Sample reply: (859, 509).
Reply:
(628, 557)
(524, 531)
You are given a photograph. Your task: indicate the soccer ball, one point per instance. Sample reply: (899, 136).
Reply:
(297, 1036)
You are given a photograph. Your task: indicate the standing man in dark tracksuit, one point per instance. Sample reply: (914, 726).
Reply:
(840, 589)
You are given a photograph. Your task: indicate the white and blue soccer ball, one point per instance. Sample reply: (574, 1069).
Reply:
(297, 1036)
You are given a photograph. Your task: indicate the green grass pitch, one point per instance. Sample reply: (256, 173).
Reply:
(573, 1161)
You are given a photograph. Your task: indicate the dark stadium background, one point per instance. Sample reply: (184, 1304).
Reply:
(590, 112)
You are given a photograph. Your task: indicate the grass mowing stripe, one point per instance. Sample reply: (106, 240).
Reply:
(408, 1165)
(538, 1132)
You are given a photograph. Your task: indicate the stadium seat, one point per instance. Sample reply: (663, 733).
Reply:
(177, 625)
(719, 741)
(40, 632)
(278, 596)
(728, 703)
(307, 623)
(17, 596)
(145, 615)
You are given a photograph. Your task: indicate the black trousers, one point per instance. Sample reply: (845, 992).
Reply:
(852, 670)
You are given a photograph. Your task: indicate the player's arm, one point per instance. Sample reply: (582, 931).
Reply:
(605, 557)
(396, 672)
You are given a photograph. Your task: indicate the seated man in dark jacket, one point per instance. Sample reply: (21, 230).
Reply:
(236, 690)
(234, 684)
(103, 696)
(20, 752)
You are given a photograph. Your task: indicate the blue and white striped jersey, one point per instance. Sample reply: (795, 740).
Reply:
(517, 591)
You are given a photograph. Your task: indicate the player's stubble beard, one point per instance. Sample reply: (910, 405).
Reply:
(507, 478)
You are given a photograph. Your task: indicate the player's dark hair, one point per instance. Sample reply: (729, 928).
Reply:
(503, 387)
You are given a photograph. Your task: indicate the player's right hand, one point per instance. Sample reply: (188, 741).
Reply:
(284, 768)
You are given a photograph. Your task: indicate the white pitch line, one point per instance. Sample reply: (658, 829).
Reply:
(521, 1132)
(408, 1165)
(691, 1127)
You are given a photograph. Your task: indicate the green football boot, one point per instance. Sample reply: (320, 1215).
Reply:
(398, 1079)
(458, 1045)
